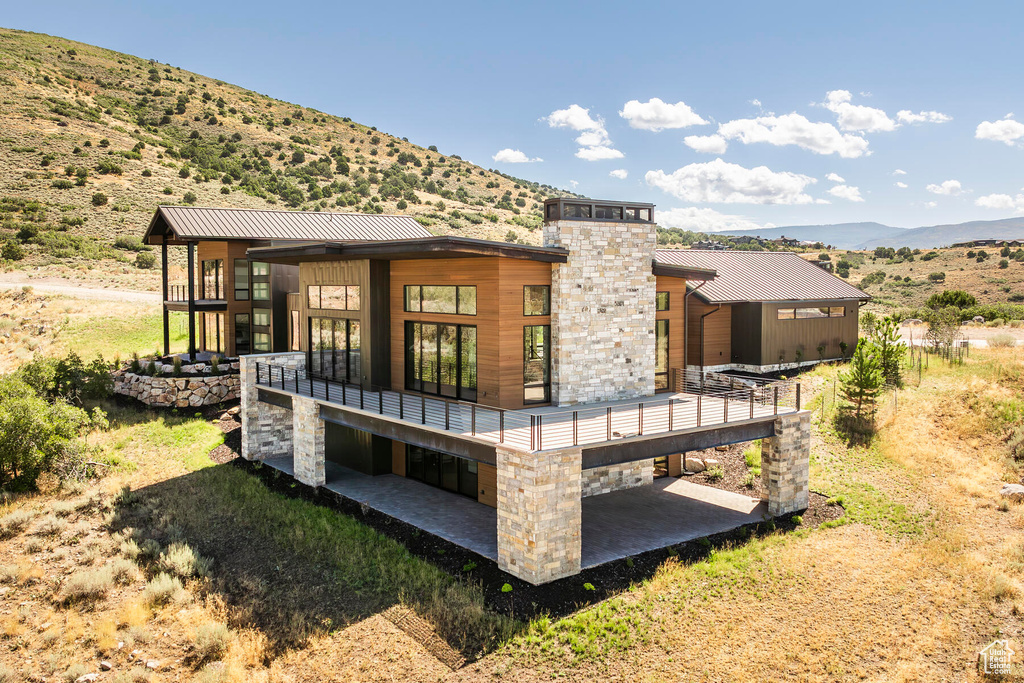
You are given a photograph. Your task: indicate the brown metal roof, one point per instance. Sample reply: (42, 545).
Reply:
(761, 276)
(185, 223)
(444, 246)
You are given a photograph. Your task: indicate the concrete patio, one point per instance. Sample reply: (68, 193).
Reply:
(614, 525)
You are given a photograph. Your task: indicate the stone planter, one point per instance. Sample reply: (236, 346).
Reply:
(194, 388)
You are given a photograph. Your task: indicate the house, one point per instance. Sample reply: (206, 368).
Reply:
(766, 311)
(236, 306)
(784, 241)
(709, 244)
(528, 396)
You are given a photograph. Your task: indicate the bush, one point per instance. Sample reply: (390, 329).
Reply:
(874, 278)
(145, 260)
(87, 585)
(1004, 263)
(1002, 341)
(99, 199)
(951, 297)
(108, 167)
(164, 589)
(937, 277)
(14, 523)
(12, 251)
(130, 243)
(189, 198)
(181, 560)
(715, 473)
(211, 642)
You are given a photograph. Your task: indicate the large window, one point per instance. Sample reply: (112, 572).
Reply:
(213, 327)
(333, 297)
(261, 330)
(536, 364)
(441, 359)
(241, 279)
(334, 349)
(807, 313)
(260, 281)
(294, 331)
(242, 344)
(213, 280)
(443, 470)
(661, 301)
(661, 349)
(536, 300)
(459, 300)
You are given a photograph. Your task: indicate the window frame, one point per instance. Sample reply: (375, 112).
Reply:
(244, 265)
(657, 301)
(218, 279)
(546, 376)
(546, 309)
(417, 300)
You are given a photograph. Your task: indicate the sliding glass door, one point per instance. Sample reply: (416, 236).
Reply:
(440, 359)
(334, 349)
(442, 470)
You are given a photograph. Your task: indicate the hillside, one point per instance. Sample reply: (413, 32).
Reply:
(92, 140)
(871, 235)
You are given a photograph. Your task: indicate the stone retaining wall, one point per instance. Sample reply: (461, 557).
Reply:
(189, 390)
(616, 477)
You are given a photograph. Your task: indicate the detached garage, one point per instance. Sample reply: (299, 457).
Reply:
(765, 311)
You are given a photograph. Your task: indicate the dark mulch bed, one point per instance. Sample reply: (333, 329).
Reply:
(558, 597)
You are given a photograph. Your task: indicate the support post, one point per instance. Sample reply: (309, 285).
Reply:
(163, 304)
(308, 438)
(785, 464)
(192, 301)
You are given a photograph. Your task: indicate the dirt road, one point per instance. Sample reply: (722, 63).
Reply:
(53, 285)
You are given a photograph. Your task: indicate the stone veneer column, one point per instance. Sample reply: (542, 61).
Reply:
(539, 513)
(785, 464)
(602, 311)
(266, 429)
(308, 439)
(617, 477)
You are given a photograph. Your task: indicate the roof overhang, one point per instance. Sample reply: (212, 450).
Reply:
(702, 295)
(418, 248)
(685, 272)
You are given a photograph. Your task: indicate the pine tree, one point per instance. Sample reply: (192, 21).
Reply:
(890, 349)
(862, 382)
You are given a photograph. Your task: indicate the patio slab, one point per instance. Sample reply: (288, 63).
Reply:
(615, 525)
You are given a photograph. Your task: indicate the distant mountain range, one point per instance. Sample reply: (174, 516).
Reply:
(871, 235)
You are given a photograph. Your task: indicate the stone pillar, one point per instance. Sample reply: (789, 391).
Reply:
(309, 441)
(266, 429)
(785, 464)
(539, 513)
(602, 300)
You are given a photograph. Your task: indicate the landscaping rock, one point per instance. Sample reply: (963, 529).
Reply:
(1013, 492)
(694, 465)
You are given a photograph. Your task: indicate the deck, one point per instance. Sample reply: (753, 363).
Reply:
(548, 427)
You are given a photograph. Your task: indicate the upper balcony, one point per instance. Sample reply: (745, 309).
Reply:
(177, 300)
(700, 415)
(575, 209)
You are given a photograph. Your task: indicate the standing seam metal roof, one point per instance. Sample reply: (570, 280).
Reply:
(761, 276)
(190, 222)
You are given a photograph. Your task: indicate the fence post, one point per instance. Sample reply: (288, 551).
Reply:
(533, 431)
(447, 416)
(540, 432)
(327, 390)
(423, 410)
(401, 405)
(381, 401)
(257, 373)
(725, 408)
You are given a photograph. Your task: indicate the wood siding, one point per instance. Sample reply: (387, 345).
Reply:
(717, 333)
(676, 315)
(786, 336)
(339, 273)
(499, 319)
(227, 252)
(487, 482)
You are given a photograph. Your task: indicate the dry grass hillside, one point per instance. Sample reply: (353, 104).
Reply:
(92, 141)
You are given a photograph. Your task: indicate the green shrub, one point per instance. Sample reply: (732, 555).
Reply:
(99, 199)
(12, 251)
(189, 198)
(108, 167)
(951, 297)
(130, 243)
(87, 585)
(164, 589)
(179, 559)
(715, 473)
(1002, 341)
(937, 277)
(874, 278)
(211, 642)
(14, 522)
(145, 260)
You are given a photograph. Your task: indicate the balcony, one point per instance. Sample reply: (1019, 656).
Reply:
(702, 407)
(177, 300)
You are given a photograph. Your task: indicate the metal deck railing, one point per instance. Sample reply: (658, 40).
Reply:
(536, 429)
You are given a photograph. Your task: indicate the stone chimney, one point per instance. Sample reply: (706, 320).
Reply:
(602, 300)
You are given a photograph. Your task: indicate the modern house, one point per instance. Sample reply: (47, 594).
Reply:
(510, 388)
(765, 311)
(236, 306)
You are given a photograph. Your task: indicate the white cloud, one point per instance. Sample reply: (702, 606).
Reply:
(794, 129)
(931, 205)
(598, 153)
(856, 116)
(619, 173)
(573, 184)
(513, 156)
(899, 171)
(1001, 201)
(835, 178)
(704, 220)
(847, 192)
(907, 116)
(655, 115)
(593, 139)
(719, 181)
(901, 185)
(709, 144)
(946, 187)
(1005, 130)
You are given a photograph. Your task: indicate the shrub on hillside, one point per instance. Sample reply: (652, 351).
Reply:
(937, 277)
(99, 199)
(874, 278)
(1002, 341)
(951, 297)
(145, 260)
(189, 198)
(12, 251)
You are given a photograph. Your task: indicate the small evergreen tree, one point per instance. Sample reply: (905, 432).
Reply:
(862, 381)
(889, 348)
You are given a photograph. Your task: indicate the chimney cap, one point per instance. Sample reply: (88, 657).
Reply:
(585, 209)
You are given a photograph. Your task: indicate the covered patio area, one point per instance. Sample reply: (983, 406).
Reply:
(614, 525)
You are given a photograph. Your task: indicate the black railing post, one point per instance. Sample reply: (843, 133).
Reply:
(296, 380)
(775, 398)
(447, 415)
(423, 410)
(327, 390)
(671, 403)
(640, 419)
(540, 432)
(362, 397)
(401, 405)
(698, 409)
(257, 373)
(381, 401)
(575, 428)
(472, 419)
(751, 404)
(798, 395)
(344, 393)
(609, 425)
(501, 427)
(533, 432)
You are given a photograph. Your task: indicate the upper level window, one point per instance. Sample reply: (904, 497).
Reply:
(552, 211)
(661, 301)
(638, 214)
(457, 300)
(241, 279)
(334, 297)
(815, 312)
(537, 300)
(213, 279)
(260, 281)
(612, 213)
(575, 210)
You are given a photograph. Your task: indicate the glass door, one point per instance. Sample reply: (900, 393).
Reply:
(441, 359)
(448, 360)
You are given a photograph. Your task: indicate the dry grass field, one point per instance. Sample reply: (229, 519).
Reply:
(925, 568)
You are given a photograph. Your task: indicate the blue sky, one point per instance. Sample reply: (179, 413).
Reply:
(771, 114)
